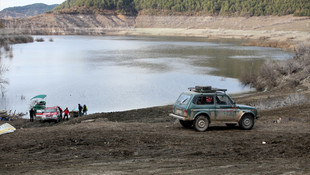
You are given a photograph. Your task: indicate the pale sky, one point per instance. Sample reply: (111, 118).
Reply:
(13, 3)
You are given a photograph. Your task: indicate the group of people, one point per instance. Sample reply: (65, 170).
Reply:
(66, 113)
(82, 110)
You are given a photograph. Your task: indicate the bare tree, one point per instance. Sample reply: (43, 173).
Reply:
(3, 81)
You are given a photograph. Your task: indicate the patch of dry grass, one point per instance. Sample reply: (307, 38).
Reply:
(290, 100)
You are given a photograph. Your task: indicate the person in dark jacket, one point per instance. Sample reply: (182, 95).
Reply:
(31, 113)
(60, 112)
(80, 110)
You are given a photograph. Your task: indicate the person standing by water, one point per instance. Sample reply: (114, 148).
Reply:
(80, 110)
(67, 113)
(85, 110)
(31, 113)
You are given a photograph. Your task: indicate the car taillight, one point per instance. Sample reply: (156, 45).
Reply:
(185, 112)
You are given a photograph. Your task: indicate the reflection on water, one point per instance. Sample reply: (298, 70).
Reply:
(121, 73)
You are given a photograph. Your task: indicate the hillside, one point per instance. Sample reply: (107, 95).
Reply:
(188, 7)
(26, 11)
(270, 31)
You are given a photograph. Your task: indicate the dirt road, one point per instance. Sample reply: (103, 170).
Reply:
(147, 141)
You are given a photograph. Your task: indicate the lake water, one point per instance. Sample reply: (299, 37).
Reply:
(111, 73)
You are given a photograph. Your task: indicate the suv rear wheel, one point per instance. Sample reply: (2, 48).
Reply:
(246, 122)
(201, 123)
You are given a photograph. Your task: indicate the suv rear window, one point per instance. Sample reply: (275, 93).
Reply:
(183, 99)
(204, 100)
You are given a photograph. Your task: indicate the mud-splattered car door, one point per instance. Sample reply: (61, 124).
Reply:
(204, 104)
(224, 108)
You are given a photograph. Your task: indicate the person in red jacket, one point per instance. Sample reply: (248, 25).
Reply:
(67, 113)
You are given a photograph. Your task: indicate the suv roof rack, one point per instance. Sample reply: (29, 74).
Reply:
(206, 89)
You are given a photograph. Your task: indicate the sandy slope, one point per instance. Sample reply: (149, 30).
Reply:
(285, 30)
(271, 31)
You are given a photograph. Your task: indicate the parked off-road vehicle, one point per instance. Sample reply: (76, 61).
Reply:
(203, 105)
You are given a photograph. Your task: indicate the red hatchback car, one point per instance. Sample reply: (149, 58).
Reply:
(50, 113)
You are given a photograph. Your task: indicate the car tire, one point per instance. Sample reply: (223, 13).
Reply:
(246, 122)
(201, 123)
(186, 124)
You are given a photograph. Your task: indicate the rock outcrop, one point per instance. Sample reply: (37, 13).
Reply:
(68, 24)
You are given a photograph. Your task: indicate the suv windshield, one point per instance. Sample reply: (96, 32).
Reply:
(183, 99)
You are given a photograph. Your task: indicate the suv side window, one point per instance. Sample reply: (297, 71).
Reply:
(223, 100)
(204, 100)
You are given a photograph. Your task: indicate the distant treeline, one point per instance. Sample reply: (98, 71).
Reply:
(190, 7)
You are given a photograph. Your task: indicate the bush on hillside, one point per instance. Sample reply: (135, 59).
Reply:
(287, 74)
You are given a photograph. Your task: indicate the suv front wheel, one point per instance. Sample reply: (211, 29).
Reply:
(246, 122)
(201, 123)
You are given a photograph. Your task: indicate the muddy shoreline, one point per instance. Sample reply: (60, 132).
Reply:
(147, 141)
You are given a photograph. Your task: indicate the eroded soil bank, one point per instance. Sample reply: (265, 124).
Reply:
(269, 31)
(147, 141)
